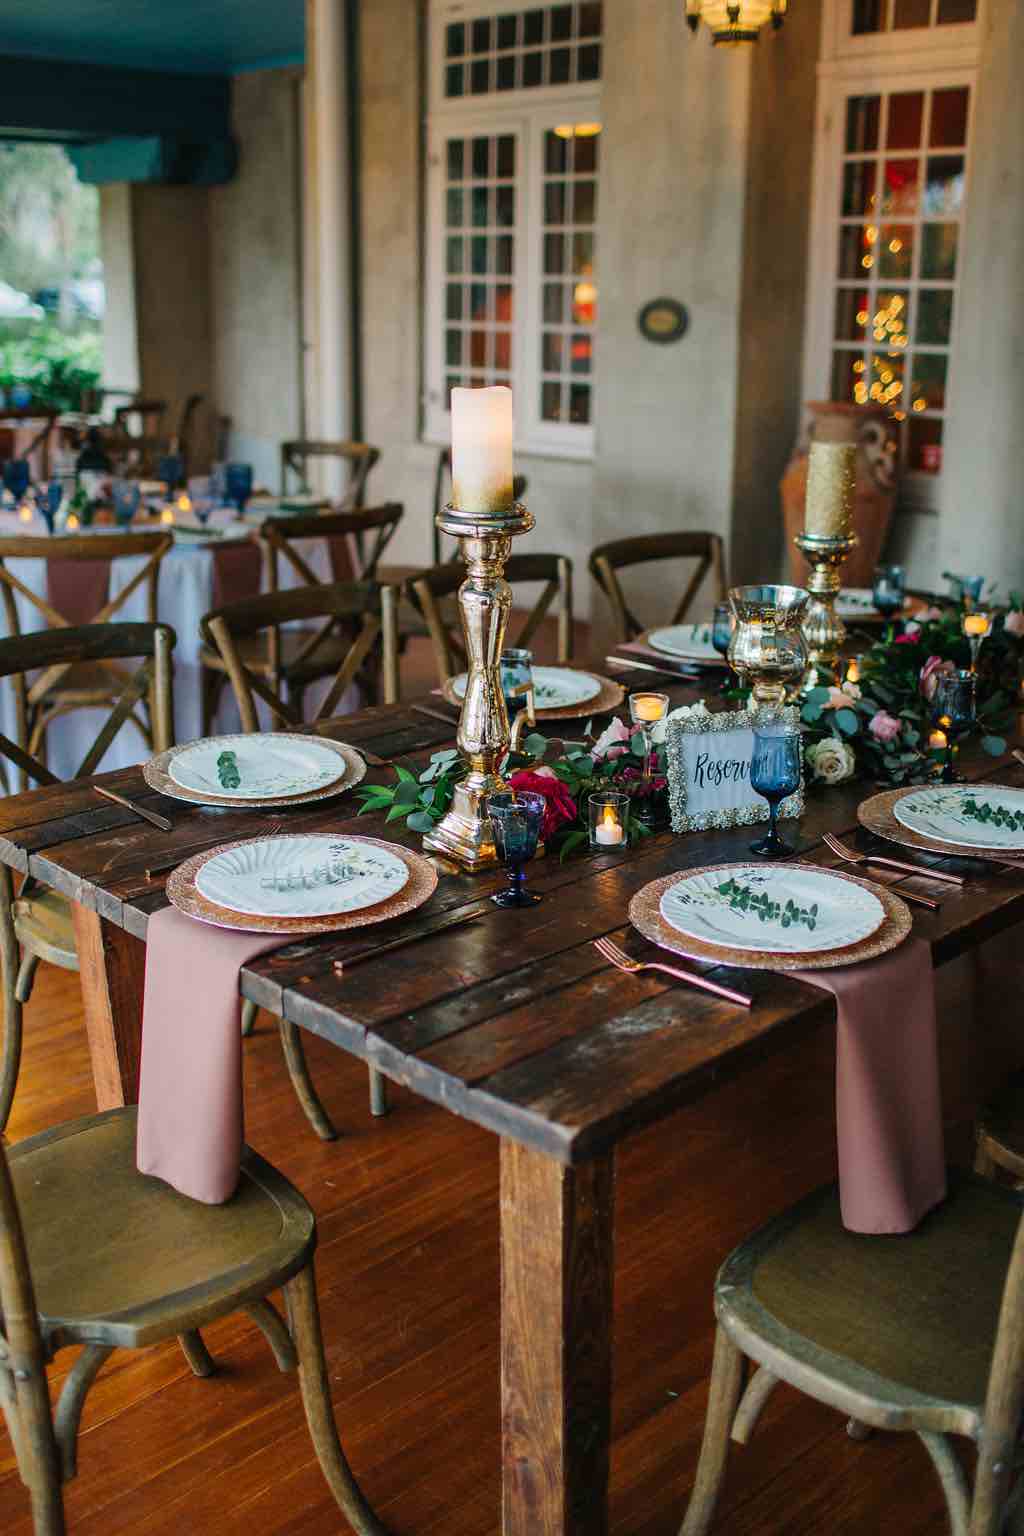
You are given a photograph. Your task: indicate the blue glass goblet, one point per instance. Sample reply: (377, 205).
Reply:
(888, 591)
(516, 673)
(721, 634)
(775, 774)
(954, 707)
(17, 477)
(516, 819)
(48, 500)
(170, 469)
(126, 497)
(238, 485)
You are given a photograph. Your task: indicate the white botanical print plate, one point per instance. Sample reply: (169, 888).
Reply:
(780, 911)
(970, 815)
(316, 875)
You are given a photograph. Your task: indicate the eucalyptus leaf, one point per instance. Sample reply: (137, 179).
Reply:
(420, 821)
(407, 793)
(535, 744)
(817, 696)
(847, 722)
(811, 712)
(995, 746)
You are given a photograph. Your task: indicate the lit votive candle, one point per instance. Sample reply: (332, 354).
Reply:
(24, 513)
(648, 707)
(979, 624)
(937, 741)
(167, 515)
(72, 523)
(482, 449)
(831, 488)
(608, 811)
(183, 503)
(853, 670)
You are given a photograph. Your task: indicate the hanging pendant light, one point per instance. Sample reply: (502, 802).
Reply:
(735, 21)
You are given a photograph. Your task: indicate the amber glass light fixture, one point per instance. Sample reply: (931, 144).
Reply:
(735, 21)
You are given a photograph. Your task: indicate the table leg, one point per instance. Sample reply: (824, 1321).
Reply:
(557, 1241)
(112, 964)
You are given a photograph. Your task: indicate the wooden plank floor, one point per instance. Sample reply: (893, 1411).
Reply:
(408, 1274)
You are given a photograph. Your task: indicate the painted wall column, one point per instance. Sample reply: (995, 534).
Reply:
(327, 225)
(982, 517)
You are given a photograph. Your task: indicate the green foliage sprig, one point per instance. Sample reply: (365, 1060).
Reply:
(743, 898)
(993, 815)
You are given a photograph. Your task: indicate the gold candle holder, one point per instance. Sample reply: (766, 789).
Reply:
(485, 599)
(824, 631)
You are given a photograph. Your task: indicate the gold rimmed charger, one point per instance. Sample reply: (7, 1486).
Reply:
(645, 915)
(610, 697)
(878, 815)
(183, 894)
(351, 771)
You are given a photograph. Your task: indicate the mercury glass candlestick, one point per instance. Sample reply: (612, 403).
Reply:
(485, 519)
(767, 651)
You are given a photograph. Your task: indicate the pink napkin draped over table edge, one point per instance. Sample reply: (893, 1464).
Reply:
(892, 1166)
(190, 1129)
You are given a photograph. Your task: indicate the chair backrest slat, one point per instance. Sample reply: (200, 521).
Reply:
(608, 559)
(367, 606)
(359, 459)
(430, 589)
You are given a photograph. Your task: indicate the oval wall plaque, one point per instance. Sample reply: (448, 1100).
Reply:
(663, 320)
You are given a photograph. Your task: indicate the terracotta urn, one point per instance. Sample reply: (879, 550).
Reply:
(869, 427)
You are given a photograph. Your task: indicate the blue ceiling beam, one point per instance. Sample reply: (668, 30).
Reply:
(44, 98)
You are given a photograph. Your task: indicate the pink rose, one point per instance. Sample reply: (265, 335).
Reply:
(843, 698)
(933, 669)
(612, 742)
(928, 615)
(884, 727)
(1014, 622)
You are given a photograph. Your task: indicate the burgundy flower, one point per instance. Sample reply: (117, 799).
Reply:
(561, 807)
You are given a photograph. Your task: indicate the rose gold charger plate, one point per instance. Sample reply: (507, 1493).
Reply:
(609, 698)
(645, 915)
(352, 770)
(878, 816)
(183, 894)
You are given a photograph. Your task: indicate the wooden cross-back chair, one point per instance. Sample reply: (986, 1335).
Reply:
(432, 592)
(37, 926)
(75, 684)
(920, 1333)
(608, 559)
(148, 415)
(122, 1261)
(289, 661)
(228, 630)
(358, 459)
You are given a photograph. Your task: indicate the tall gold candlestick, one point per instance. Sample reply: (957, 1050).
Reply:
(826, 542)
(485, 598)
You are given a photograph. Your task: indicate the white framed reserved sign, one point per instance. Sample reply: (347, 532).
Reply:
(709, 770)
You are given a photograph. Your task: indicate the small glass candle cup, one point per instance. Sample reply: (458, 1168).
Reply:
(516, 819)
(775, 774)
(721, 634)
(954, 713)
(608, 813)
(516, 672)
(889, 590)
(977, 626)
(645, 710)
(238, 485)
(853, 669)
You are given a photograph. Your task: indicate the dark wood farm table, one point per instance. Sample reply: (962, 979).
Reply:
(512, 1020)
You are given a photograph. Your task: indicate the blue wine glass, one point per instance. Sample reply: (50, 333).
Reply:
(516, 672)
(48, 500)
(954, 704)
(516, 819)
(170, 468)
(17, 477)
(775, 774)
(126, 496)
(238, 485)
(889, 590)
(721, 634)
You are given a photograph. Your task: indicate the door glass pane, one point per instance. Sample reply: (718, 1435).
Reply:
(895, 250)
(852, 314)
(906, 113)
(934, 316)
(925, 445)
(911, 13)
(951, 11)
(949, 119)
(938, 250)
(900, 187)
(929, 382)
(862, 118)
(944, 185)
(868, 16)
(856, 249)
(846, 376)
(859, 188)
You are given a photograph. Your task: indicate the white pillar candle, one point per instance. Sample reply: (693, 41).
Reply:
(482, 449)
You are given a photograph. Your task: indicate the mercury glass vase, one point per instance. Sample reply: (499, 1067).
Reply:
(768, 651)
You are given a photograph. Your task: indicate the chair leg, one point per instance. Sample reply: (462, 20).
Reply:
(249, 1012)
(26, 977)
(951, 1476)
(726, 1380)
(10, 1062)
(48, 1509)
(298, 1071)
(378, 1092)
(72, 1400)
(212, 683)
(760, 1388)
(304, 1314)
(196, 1353)
(272, 1327)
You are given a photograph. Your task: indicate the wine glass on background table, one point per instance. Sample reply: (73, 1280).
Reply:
(48, 500)
(645, 710)
(889, 590)
(516, 668)
(775, 775)
(954, 707)
(721, 634)
(238, 485)
(516, 819)
(126, 497)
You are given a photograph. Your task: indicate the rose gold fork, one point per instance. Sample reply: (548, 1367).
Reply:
(851, 856)
(618, 957)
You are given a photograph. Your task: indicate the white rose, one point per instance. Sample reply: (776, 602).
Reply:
(832, 761)
(658, 733)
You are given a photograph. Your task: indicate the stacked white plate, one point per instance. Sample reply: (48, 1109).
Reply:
(689, 642)
(966, 815)
(312, 875)
(771, 910)
(270, 767)
(553, 687)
